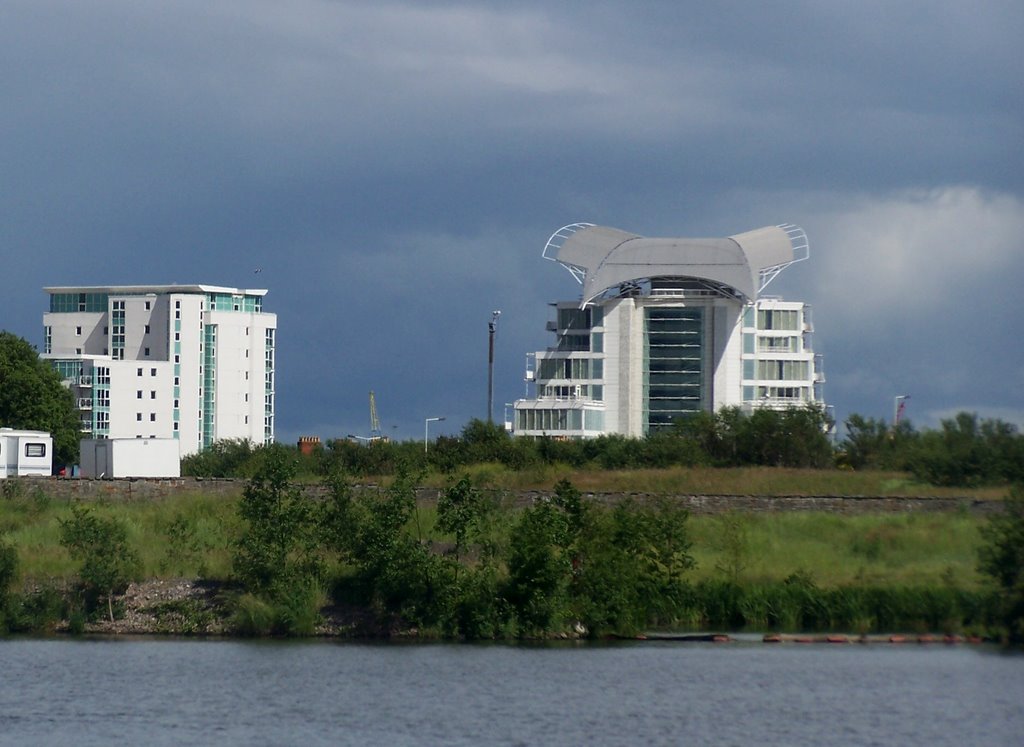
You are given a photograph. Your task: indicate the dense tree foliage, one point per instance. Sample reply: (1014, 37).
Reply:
(965, 451)
(789, 438)
(1002, 558)
(32, 397)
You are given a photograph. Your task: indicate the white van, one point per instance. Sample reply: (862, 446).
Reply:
(25, 453)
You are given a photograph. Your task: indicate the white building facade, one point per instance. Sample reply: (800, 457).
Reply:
(194, 363)
(668, 327)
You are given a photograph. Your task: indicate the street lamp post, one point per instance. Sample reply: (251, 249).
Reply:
(897, 408)
(492, 327)
(426, 429)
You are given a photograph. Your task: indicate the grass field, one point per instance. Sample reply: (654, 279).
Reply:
(718, 481)
(191, 534)
(876, 549)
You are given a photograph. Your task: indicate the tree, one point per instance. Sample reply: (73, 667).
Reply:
(462, 512)
(969, 452)
(277, 548)
(101, 545)
(867, 443)
(32, 397)
(1002, 558)
(537, 567)
(397, 572)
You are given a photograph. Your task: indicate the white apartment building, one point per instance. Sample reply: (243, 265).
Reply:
(190, 362)
(667, 327)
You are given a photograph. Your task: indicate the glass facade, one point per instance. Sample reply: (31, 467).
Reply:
(673, 364)
(101, 403)
(117, 330)
(69, 302)
(787, 344)
(268, 396)
(552, 420)
(783, 319)
(234, 302)
(783, 370)
(209, 383)
(570, 368)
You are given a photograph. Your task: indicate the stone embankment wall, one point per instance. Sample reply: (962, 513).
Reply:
(117, 490)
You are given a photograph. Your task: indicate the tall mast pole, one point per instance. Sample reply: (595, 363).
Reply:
(492, 327)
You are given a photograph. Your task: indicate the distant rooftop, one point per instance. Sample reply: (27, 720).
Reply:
(135, 290)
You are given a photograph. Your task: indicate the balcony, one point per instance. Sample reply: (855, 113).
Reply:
(84, 403)
(85, 381)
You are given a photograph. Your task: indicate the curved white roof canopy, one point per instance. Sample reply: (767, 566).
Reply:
(602, 258)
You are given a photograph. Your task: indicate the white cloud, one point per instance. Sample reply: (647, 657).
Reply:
(912, 252)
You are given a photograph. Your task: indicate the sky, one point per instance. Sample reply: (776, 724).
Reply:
(394, 169)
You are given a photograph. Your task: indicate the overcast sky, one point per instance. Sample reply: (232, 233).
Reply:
(394, 170)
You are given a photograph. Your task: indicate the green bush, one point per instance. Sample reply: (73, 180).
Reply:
(108, 563)
(278, 545)
(36, 611)
(1001, 557)
(252, 616)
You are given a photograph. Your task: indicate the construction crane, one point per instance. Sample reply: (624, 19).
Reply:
(375, 432)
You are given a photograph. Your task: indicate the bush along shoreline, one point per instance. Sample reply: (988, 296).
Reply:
(376, 564)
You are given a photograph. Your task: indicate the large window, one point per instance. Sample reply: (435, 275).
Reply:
(570, 368)
(550, 420)
(778, 319)
(70, 302)
(674, 363)
(783, 370)
(574, 319)
(778, 344)
(798, 393)
(574, 342)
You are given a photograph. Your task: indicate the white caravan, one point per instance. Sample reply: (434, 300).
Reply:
(25, 453)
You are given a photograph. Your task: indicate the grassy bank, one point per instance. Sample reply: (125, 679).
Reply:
(716, 481)
(191, 535)
(782, 571)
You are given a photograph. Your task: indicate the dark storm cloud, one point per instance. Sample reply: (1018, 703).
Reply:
(396, 168)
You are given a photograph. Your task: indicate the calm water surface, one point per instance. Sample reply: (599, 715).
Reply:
(164, 692)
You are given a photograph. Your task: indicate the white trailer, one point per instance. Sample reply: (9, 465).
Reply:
(25, 453)
(130, 457)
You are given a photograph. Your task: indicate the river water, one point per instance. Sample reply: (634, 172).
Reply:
(170, 692)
